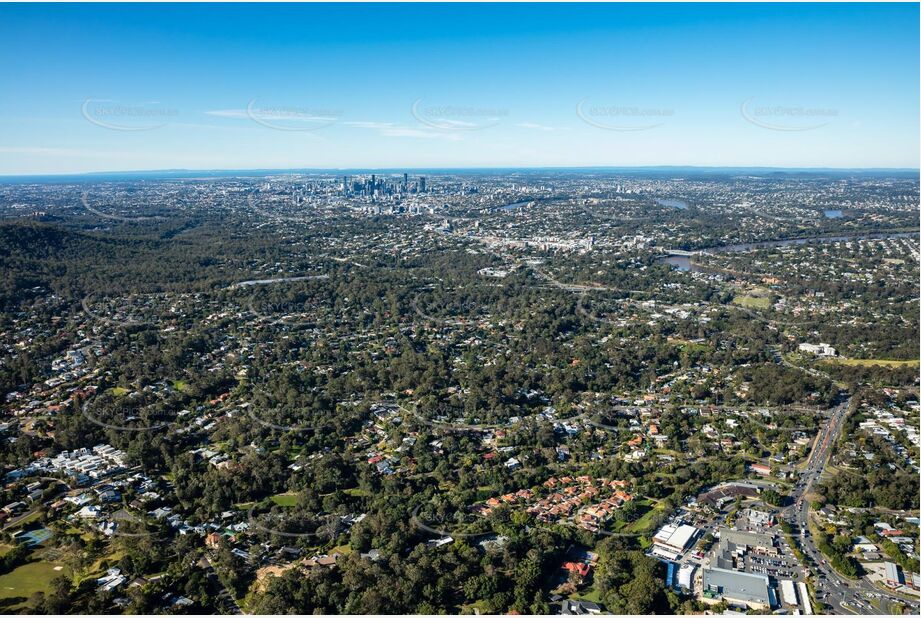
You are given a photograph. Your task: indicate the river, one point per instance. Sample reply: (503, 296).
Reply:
(683, 262)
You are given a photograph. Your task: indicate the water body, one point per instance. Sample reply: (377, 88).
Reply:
(683, 262)
(672, 203)
(833, 214)
(770, 244)
(514, 206)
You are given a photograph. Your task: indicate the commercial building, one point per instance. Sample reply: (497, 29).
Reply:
(819, 349)
(736, 587)
(804, 595)
(734, 540)
(671, 540)
(788, 592)
(893, 579)
(686, 576)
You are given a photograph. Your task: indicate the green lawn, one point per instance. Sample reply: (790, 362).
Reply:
(23, 582)
(589, 594)
(180, 385)
(119, 391)
(644, 523)
(95, 570)
(753, 302)
(285, 499)
(873, 361)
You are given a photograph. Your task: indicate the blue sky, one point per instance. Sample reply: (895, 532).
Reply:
(132, 87)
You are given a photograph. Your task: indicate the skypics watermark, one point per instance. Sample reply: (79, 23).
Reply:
(123, 523)
(285, 312)
(130, 118)
(289, 203)
(279, 521)
(153, 421)
(785, 117)
(276, 420)
(121, 314)
(457, 117)
(618, 117)
(471, 312)
(438, 523)
(611, 211)
(292, 118)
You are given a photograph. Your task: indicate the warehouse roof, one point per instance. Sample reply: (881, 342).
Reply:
(738, 586)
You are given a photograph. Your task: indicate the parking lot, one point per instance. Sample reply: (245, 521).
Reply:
(778, 568)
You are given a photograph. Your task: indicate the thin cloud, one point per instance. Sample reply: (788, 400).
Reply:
(537, 127)
(41, 151)
(269, 114)
(389, 129)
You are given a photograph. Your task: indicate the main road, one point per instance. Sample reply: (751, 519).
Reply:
(842, 595)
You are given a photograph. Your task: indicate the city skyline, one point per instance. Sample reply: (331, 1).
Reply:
(117, 89)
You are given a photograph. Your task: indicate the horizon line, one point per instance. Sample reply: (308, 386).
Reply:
(460, 168)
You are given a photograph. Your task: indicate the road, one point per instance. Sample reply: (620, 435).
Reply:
(842, 596)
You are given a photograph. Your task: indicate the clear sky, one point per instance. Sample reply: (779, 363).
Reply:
(134, 87)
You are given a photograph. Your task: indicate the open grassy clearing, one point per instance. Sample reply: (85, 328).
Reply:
(753, 302)
(26, 580)
(867, 362)
(286, 499)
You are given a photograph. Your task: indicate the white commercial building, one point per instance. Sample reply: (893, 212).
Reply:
(819, 349)
(788, 592)
(804, 595)
(686, 576)
(675, 537)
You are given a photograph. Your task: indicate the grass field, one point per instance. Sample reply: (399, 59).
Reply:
(753, 302)
(180, 385)
(285, 499)
(28, 579)
(589, 594)
(96, 569)
(867, 362)
(119, 391)
(644, 523)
